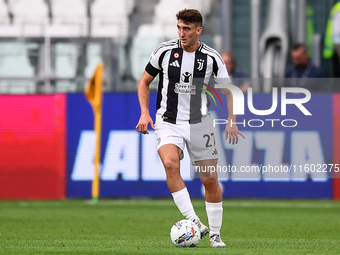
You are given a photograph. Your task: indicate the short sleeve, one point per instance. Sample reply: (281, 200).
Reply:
(153, 67)
(221, 75)
(154, 60)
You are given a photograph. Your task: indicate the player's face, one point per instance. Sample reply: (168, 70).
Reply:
(188, 34)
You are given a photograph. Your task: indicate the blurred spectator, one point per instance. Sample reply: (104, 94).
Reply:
(303, 71)
(238, 78)
(332, 39)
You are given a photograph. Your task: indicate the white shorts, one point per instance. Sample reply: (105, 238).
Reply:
(199, 138)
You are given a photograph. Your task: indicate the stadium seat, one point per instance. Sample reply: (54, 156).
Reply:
(6, 29)
(17, 87)
(110, 17)
(102, 27)
(94, 57)
(3, 14)
(10, 31)
(69, 18)
(66, 64)
(14, 62)
(66, 55)
(30, 16)
(142, 47)
(111, 8)
(65, 87)
(70, 10)
(61, 30)
(165, 13)
(204, 6)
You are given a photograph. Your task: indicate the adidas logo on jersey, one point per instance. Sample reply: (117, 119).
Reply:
(175, 63)
(215, 152)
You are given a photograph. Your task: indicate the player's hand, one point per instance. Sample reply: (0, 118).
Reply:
(143, 123)
(232, 133)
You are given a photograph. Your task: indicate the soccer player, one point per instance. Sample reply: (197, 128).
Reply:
(185, 65)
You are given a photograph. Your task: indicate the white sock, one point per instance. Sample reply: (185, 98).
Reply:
(183, 202)
(214, 212)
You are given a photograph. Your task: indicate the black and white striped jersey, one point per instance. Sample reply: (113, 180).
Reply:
(182, 80)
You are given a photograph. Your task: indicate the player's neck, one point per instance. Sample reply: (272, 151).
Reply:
(192, 48)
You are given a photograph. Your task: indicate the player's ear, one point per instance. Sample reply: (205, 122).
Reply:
(199, 30)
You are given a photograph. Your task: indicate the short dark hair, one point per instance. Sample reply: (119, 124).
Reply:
(190, 16)
(297, 46)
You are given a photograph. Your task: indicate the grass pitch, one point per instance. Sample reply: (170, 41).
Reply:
(143, 226)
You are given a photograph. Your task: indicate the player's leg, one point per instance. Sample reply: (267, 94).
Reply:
(213, 193)
(170, 156)
(213, 200)
(202, 148)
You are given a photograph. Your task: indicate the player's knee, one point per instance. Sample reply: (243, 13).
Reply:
(170, 165)
(210, 183)
(171, 169)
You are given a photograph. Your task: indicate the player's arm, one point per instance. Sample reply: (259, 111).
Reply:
(143, 97)
(231, 129)
(222, 77)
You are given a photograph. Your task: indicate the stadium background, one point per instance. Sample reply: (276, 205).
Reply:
(48, 51)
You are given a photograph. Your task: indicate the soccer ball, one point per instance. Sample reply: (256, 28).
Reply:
(185, 233)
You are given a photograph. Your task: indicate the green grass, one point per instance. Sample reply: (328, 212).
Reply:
(143, 226)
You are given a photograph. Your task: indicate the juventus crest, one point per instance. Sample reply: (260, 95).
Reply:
(200, 63)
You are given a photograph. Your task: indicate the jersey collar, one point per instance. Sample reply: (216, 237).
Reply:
(199, 47)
